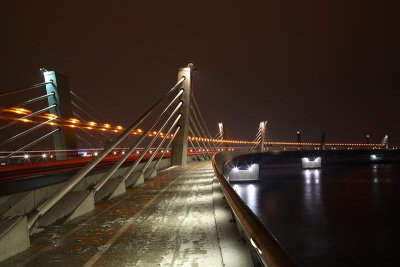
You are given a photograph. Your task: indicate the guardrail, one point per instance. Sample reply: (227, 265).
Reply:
(261, 242)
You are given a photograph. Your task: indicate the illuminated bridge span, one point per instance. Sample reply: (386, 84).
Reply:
(140, 194)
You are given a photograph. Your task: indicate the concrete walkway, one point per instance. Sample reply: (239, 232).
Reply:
(178, 219)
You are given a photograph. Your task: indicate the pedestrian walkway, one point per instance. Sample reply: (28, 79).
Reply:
(177, 219)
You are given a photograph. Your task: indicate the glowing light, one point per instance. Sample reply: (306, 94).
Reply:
(50, 116)
(21, 111)
(115, 153)
(26, 156)
(106, 125)
(139, 130)
(92, 123)
(73, 120)
(119, 127)
(95, 153)
(44, 155)
(235, 169)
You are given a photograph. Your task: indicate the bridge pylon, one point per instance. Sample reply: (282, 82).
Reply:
(385, 141)
(180, 143)
(262, 130)
(65, 138)
(323, 140)
(299, 139)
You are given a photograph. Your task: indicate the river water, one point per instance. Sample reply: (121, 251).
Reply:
(335, 216)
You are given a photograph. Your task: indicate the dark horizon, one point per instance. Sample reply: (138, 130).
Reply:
(307, 66)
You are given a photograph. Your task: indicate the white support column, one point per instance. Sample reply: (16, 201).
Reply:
(222, 134)
(180, 144)
(263, 125)
(57, 83)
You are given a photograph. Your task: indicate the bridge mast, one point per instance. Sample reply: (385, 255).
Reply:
(180, 143)
(263, 125)
(58, 84)
(323, 140)
(299, 139)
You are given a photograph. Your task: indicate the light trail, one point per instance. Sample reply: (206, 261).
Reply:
(97, 126)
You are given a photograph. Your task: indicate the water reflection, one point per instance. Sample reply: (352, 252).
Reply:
(248, 192)
(312, 191)
(313, 212)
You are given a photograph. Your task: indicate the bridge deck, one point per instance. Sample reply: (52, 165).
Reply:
(178, 219)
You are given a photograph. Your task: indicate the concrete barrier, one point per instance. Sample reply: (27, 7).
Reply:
(14, 236)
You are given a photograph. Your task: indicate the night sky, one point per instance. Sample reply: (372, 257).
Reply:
(300, 65)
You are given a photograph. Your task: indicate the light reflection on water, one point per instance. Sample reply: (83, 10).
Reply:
(248, 192)
(322, 215)
(312, 191)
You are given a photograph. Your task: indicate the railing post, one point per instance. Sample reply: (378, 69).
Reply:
(66, 137)
(180, 144)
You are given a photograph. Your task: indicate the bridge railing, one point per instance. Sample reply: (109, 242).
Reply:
(262, 243)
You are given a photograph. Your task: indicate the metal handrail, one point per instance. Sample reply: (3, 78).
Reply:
(268, 249)
(50, 202)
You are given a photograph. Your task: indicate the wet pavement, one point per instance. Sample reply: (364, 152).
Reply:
(170, 221)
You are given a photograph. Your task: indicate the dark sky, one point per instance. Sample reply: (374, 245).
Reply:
(300, 65)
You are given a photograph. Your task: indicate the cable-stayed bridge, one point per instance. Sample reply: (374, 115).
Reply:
(61, 160)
